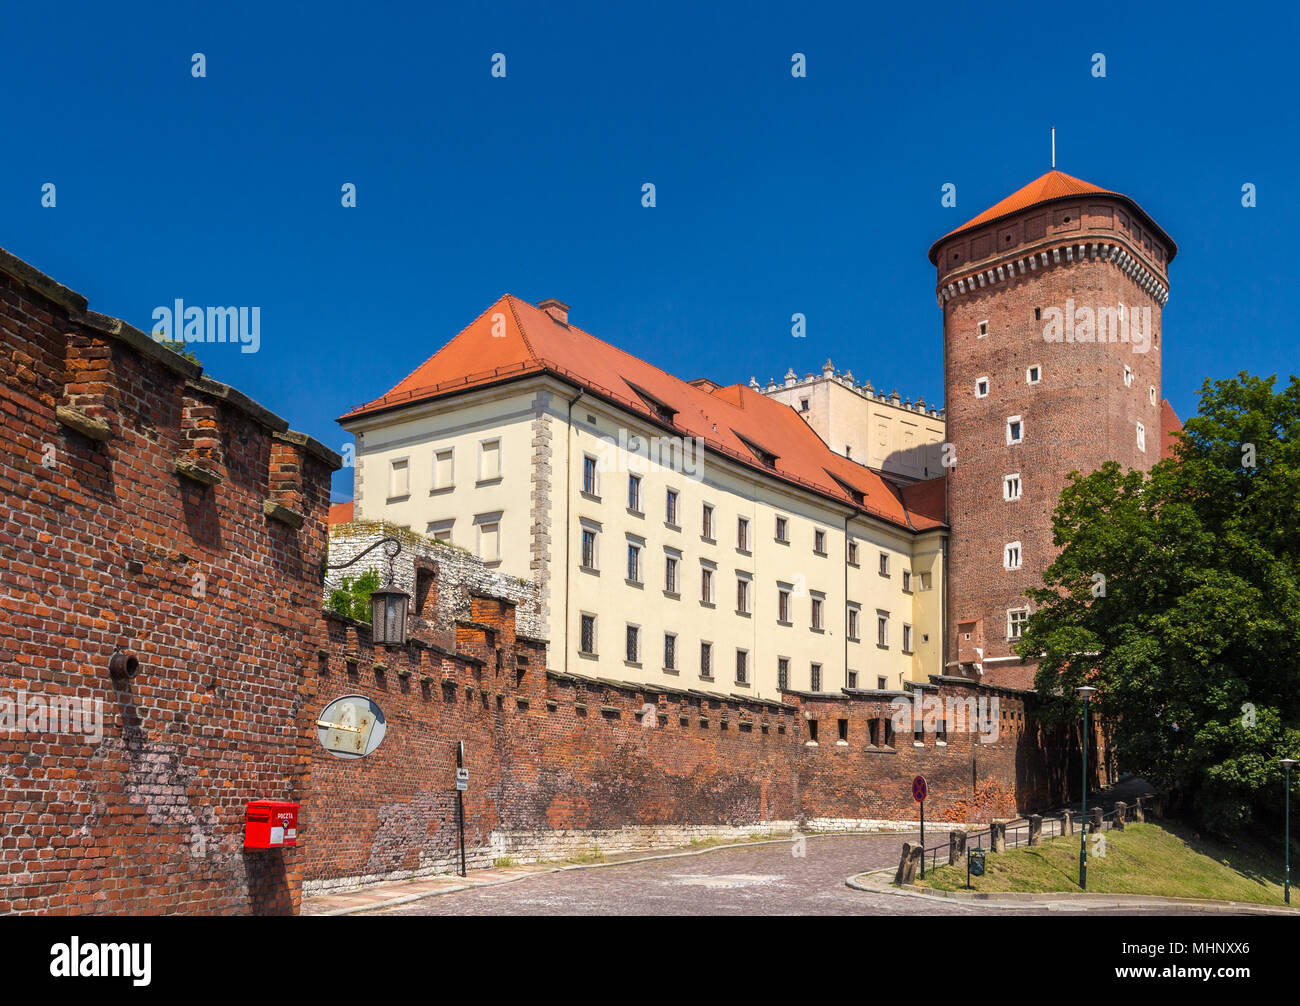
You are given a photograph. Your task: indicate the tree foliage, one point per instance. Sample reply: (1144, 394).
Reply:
(1177, 594)
(352, 597)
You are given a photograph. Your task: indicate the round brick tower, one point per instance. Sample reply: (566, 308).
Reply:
(1051, 318)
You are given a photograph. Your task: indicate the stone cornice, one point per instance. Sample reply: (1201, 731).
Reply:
(1067, 253)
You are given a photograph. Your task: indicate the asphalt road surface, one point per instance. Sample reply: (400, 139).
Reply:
(762, 879)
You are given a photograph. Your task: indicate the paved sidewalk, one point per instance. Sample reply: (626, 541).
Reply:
(880, 882)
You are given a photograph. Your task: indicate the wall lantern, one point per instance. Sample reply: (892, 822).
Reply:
(389, 606)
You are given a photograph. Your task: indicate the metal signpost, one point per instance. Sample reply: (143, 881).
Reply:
(919, 792)
(462, 784)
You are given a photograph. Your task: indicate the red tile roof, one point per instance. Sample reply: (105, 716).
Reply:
(513, 338)
(1170, 427)
(1046, 188)
(341, 513)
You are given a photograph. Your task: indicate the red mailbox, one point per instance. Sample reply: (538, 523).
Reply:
(270, 824)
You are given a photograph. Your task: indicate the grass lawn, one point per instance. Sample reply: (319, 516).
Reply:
(1165, 859)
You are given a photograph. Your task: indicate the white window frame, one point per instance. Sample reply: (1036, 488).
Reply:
(1011, 420)
(982, 382)
(1013, 555)
(450, 484)
(1015, 611)
(1029, 373)
(1142, 438)
(483, 445)
(1153, 395)
(1128, 376)
(481, 522)
(1007, 484)
(405, 463)
(435, 528)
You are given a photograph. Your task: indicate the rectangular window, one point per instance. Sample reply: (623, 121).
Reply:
(633, 644)
(444, 469)
(706, 660)
(853, 679)
(587, 636)
(634, 562)
(853, 553)
(842, 731)
(1033, 375)
(742, 534)
(1011, 487)
(812, 731)
(1153, 394)
(1142, 438)
(1128, 376)
(782, 605)
(882, 628)
(440, 530)
(884, 563)
(782, 530)
(589, 485)
(819, 542)
(982, 387)
(634, 493)
(907, 580)
(399, 479)
(924, 579)
(670, 507)
(489, 541)
(706, 522)
(882, 682)
(783, 673)
(670, 575)
(742, 594)
(817, 605)
(670, 652)
(489, 460)
(742, 667)
(907, 638)
(1015, 430)
(1016, 619)
(1011, 555)
(706, 585)
(815, 678)
(588, 549)
(854, 616)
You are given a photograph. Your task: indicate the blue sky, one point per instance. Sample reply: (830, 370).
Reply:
(775, 195)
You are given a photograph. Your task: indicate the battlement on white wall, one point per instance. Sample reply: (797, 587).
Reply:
(845, 379)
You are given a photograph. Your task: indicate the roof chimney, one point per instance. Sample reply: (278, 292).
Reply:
(556, 309)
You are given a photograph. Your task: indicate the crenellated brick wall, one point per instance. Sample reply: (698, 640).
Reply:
(149, 508)
(563, 764)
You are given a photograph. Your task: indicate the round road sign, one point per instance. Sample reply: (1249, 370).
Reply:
(919, 789)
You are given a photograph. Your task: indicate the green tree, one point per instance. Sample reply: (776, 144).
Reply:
(352, 598)
(1177, 594)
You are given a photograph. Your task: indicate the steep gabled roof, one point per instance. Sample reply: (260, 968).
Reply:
(514, 338)
(1048, 188)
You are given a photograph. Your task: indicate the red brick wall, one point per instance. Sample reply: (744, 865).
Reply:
(1077, 417)
(104, 544)
(550, 753)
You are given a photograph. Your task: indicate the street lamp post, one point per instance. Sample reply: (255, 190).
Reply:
(388, 605)
(1086, 692)
(1287, 764)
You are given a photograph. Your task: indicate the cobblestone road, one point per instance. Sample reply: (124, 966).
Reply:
(764, 879)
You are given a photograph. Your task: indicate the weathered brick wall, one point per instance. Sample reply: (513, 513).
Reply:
(149, 508)
(563, 764)
(460, 573)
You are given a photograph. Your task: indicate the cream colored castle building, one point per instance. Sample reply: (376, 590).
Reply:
(682, 533)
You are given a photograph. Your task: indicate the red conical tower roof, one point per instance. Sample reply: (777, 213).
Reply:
(1047, 188)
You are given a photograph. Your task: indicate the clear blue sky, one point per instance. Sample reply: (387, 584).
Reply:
(775, 194)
